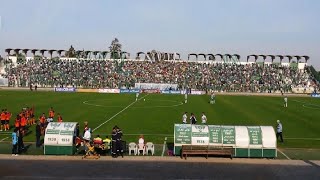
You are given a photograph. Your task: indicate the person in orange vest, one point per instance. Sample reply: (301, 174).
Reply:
(8, 117)
(27, 113)
(3, 119)
(17, 123)
(23, 122)
(59, 118)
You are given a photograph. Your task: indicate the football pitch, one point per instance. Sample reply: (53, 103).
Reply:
(154, 115)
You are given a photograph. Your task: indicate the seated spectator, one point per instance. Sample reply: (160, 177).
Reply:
(107, 142)
(141, 145)
(141, 140)
(97, 140)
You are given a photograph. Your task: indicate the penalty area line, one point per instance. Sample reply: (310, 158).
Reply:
(118, 113)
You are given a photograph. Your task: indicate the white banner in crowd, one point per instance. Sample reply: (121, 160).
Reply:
(3, 81)
(159, 86)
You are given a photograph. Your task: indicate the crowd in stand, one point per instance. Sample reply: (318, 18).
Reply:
(224, 77)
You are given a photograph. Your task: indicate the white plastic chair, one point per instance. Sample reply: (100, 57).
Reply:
(141, 147)
(150, 147)
(133, 147)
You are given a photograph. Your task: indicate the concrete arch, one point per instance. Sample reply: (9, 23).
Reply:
(138, 55)
(273, 57)
(202, 55)
(306, 58)
(280, 57)
(193, 54)
(254, 56)
(289, 58)
(298, 58)
(211, 57)
(219, 55)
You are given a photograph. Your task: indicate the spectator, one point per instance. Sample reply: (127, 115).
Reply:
(38, 134)
(20, 134)
(193, 119)
(14, 143)
(87, 135)
(97, 140)
(279, 131)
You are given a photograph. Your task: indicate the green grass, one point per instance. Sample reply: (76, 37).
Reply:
(156, 116)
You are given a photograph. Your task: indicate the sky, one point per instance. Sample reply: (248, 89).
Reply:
(285, 27)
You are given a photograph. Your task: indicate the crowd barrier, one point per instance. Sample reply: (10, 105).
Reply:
(132, 91)
(171, 92)
(66, 89)
(151, 91)
(129, 90)
(111, 91)
(88, 90)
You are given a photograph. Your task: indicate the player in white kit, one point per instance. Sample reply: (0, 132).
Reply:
(285, 102)
(186, 98)
(137, 96)
(203, 118)
(213, 98)
(184, 118)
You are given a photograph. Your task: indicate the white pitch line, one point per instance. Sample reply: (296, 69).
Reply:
(56, 177)
(312, 139)
(4, 139)
(118, 113)
(284, 154)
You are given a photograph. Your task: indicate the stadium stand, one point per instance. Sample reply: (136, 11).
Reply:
(204, 75)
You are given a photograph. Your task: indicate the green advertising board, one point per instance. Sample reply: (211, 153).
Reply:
(215, 136)
(182, 134)
(228, 135)
(255, 135)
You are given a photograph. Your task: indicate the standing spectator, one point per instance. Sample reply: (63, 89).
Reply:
(14, 143)
(193, 119)
(279, 131)
(184, 118)
(59, 118)
(20, 134)
(87, 135)
(38, 134)
(114, 142)
(78, 130)
(51, 115)
(119, 141)
(86, 127)
(203, 118)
